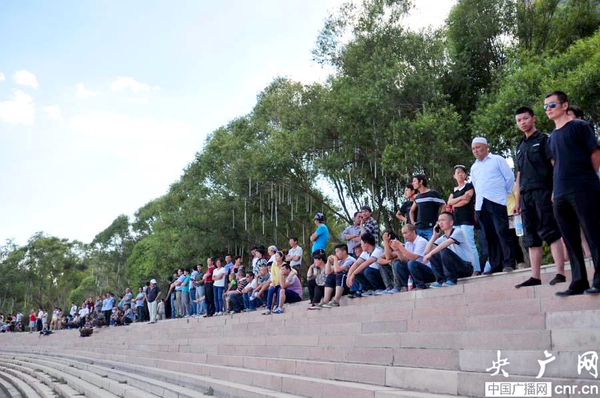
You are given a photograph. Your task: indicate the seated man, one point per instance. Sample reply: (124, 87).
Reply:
(290, 288)
(449, 252)
(234, 297)
(410, 258)
(341, 263)
(316, 280)
(256, 286)
(393, 284)
(366, 270)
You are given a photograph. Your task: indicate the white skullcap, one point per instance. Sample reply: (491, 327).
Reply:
(479, 140)
(153, 281)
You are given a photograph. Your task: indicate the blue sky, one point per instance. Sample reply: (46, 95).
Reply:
(104, 103)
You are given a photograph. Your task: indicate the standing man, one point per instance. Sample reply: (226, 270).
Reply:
(404, 213)
(534, 198)
(576, 189)
(321, 235)
(352, 235)
(152, 294)
(368, 225)
(493, 181)
(428, 204)
(294, 256)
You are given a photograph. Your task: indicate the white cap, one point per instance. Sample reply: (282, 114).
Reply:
(479, 140)
(153, 281)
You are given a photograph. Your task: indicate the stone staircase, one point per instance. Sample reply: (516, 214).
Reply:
(426, 343)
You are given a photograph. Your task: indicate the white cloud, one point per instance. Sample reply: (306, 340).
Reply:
(124, 83)
(25, 78)
(53, 112)
(2, 78)
(19, 110)
(82, 92)
(139, 101)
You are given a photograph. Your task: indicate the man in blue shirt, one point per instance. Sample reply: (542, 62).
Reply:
(321, 235)
(493, 181)
(576, 194)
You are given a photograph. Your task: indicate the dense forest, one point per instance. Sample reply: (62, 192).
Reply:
(400, 102)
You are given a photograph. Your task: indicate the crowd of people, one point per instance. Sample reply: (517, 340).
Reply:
(554, 198)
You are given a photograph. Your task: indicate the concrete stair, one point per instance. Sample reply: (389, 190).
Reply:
(426, 343)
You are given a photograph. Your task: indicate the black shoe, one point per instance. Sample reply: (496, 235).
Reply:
(529, 282)
(593, 290)
(508, 269)
(569, 292)
(558, 279)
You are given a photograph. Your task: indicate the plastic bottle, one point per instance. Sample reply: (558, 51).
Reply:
(518, 225)
(411, 285)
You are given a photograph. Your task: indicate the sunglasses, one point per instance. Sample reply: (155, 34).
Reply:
(551, 105)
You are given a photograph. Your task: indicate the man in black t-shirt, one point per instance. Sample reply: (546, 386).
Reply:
(576, 154)
(533, 198)
(404, 213)
(427, 207)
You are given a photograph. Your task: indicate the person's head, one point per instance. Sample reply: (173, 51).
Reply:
(126, 306)
(249, 276)
(418, 181)
(341, 251)
(231, 276)
(319, 218)
(357, 218)
(293, 241)
(272, 250)
(279, 257)
(227, 259)
(238, 261)
(446, 220)
(366, 212)
(209, 262)
(175, 275)
(219, 263)
(319, 258)
(259, 252)
(460, 174)
(140, 289)
(358, 250)
(480, 148)
(263, 270)
(409, 232)
(367, 242)
(286, 269)
(128, 290)
(556, 105)
(575, 112)
(409, 191)
(199, 267)
(525, 119)
(180, 271)
(241, 274)
(186, 271)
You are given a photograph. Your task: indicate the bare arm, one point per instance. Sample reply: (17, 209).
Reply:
(517, 208)
(413, 212)
(596, 159)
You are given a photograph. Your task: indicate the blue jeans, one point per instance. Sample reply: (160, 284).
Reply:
(370, 279)
(421, 274)
(218, 290)
(426, 233)
(192, 309)
(401, 272)
(469, 231)
(173, 306)
(201, 305)
(273, 293)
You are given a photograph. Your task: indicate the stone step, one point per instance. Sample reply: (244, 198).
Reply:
(75, 379)
(43, 390)
(59, 388)
(24, 390)
(152, 385)
(287, 383)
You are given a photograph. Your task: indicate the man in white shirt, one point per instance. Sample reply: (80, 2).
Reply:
(366, 270)
(294, 256)
(410, 259)
(493, 181)
(449, 252)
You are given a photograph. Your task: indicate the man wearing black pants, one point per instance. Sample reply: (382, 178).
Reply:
(449, 252)
(576, 190)
(493, 181)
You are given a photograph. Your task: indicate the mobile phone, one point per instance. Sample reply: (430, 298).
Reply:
(437, 229)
